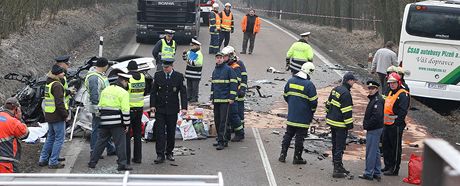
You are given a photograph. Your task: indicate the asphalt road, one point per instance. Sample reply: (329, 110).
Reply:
(254, 161)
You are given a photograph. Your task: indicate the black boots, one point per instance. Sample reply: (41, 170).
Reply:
(239, 136)
(339, 171)
(298, 157)
(283, 155)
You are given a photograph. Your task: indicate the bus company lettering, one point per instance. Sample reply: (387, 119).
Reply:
(429, 52)
(434, 62)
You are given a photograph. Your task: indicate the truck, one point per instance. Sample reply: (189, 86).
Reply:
(154, 16)
(205, 10)
(429, 49)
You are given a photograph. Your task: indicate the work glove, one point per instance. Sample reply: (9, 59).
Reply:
(287, 63)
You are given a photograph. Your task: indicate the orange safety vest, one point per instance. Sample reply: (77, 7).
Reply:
(388, 115)
(226, 21)
(11, 130)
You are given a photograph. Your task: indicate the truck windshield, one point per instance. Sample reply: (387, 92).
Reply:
(434, 22)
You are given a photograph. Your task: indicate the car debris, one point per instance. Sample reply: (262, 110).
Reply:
(274, 71)
(276, 132)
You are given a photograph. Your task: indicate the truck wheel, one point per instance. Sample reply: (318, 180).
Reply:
(139, 40)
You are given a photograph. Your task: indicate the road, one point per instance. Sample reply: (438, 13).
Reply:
(254, 161)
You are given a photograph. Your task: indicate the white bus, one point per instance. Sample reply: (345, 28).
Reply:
(429, 49)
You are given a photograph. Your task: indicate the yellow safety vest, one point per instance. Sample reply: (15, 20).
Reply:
(50, 104)
(136, 90)
(104, 79)
(167, 52)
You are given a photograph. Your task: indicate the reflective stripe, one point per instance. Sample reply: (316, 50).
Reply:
(193, 72)
(233, 80)
(111, 122)
(240, 99)
(2, 158)
(6, 138)
(301, 125)
(314, 98)
(239, 128)
(300, 95)
(221, 100)
(294, 67)
(335, 103)
(299, 60)
(348, 121)
(238, 78)
(296, 86)
(233, 92)
(243, 85)
(190, 76)
(335, 123)
(109, 108)
(346, 109)
(110, 117)
(220, 81)
(126, 118)
(244, 73)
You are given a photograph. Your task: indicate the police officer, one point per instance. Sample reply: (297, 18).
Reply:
(115, 119)
(136, 89)
(194, 59)
(165, 49)
(165, 103)
(395, 111)
(300, 94)
(299, 53)
(227, 25)
(214, 29)
(11, 131)
(95, 82)
(373, 123)
(223, 94)
(64, 63)
(339, 118)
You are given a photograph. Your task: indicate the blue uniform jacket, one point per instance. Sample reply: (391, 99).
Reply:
(300, 94)
(224, 84)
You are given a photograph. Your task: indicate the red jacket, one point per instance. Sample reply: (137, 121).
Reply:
(256, 25)
(11, 129)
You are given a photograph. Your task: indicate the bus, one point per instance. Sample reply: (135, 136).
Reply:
(429, 49)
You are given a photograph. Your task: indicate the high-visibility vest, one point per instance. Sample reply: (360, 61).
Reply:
(226, 21)
(50, 104)
(193, 71)
(167, 52)
(136, 89)
(299, 53)
(114, 106)
(388, 115)
(102, 78)
(214, 22)
(66, 86)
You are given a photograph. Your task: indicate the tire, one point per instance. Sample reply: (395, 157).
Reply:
(139, 40)
(126, 58)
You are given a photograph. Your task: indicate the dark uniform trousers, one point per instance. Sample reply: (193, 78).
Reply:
(193, 89)
(252, 38)
(224, 35)
(214, 43)
(235, 121)
(117, 133)
(165, 142)
(298, 132)
(339, 138)
(392, 139)
(135, 126)
(241, 112)
(221, 115)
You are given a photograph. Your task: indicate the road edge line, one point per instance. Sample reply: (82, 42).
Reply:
(131, 47)
(264, 157)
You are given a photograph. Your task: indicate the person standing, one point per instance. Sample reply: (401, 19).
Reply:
(56, 113)
(136, 89)
(115, 119)
(373, 123)
(165, 49)
(395, 111)
(64, 62)
(299, 53)
(339, 117)
(384, 58)
(11, 131)
(214, 29)
(223, 94)
(250, 26)
(95, 82)
(227, 25)
(194, 59)
(165, 103)
(300, 94)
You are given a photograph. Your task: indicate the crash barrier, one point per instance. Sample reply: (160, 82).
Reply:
(441, 164)
(281, 12)
(126, 179)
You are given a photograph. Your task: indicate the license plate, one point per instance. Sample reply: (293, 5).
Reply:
(436, 86)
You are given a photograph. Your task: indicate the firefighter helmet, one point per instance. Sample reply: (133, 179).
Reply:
(228, 50)
(228, 4)
(308, 68)
(394, 77)
(392, 69)
(215, 5)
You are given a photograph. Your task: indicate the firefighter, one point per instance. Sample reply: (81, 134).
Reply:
(136, 89)
(223, 94)
(300, 94)
(234, 117)
(227, 25)
(95, 82)
(401, 72)
(115, 119)
(11, 131)
(299, 53)
(373, 124)
(194, 59)
(214, 29)
(165, 49)
(339, 118)
(166, 104)
(56, 114)
(395, 111)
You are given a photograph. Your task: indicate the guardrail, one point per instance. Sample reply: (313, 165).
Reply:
(441, 164)
(126, 179)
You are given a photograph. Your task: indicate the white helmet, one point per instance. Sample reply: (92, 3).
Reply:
(228, 4)
(215, 5)
(228, 50)
(308, 68)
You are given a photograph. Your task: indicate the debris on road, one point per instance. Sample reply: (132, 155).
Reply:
(414, 145)
(274, 71)
(264, 81)
(276, 132)
(183, 151)
(279, 79)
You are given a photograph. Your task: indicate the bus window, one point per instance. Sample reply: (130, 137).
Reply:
(434, 24)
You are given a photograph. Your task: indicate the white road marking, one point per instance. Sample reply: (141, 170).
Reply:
(263, 155)
(317, 54)
(131, 47)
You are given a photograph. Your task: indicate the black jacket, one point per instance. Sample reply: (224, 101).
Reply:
(401, 107)
(373, 118)
(165, 93)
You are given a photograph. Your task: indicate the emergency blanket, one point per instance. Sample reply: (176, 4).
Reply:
(36, 133)
(415, 170)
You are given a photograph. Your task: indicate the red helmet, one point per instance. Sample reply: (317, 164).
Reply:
(394, 77)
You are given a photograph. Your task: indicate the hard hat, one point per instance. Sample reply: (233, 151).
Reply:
(393, 77)
(307, 69)
(400, 70)
(228, 4)
(392, 69)
(215, 5)
(228, 50)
